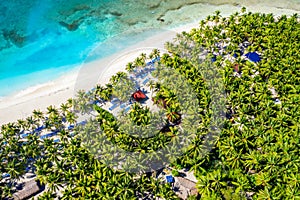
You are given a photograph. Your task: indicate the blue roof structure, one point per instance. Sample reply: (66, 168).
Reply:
(214, 58)
(253, 56)
(169, 179)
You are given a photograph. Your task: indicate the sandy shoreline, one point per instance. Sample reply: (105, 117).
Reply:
(21, 105)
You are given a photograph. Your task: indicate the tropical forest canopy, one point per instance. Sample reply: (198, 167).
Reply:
(255, 155)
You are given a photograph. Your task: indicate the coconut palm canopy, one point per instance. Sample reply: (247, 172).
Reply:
(256, 155)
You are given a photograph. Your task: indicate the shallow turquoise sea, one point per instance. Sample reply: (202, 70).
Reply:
(41, 40)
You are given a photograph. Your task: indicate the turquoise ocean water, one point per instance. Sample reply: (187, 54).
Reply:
(41, 40)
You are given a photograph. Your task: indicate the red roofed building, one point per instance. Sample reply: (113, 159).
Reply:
(139, 95)
(236, 68)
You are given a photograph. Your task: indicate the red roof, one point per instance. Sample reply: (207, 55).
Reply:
(139, 95)
(236, 67)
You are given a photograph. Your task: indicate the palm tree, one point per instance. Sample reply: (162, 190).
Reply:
(124, 88)
(31, 123)
(71, 117)
(52, 110)
(172, 113)
(151, 85)
(116, 78)
(82, 102)
(22, 125)
(38, 115)
(130, 67)
(70, 103)
(143, 57)
(154, 54)
(64, 108)
(139, 61)
(254, 156)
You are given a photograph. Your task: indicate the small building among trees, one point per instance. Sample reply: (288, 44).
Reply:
(139, 96)
(31, 188)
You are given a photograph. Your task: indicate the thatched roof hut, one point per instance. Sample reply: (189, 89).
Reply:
(31, 188)
(186, 183)
(186, 187)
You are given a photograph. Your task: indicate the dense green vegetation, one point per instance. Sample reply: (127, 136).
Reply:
(256, 155)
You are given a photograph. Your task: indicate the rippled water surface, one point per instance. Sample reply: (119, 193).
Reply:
(42, 39)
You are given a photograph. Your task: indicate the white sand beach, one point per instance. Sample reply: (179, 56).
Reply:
(21, 105)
